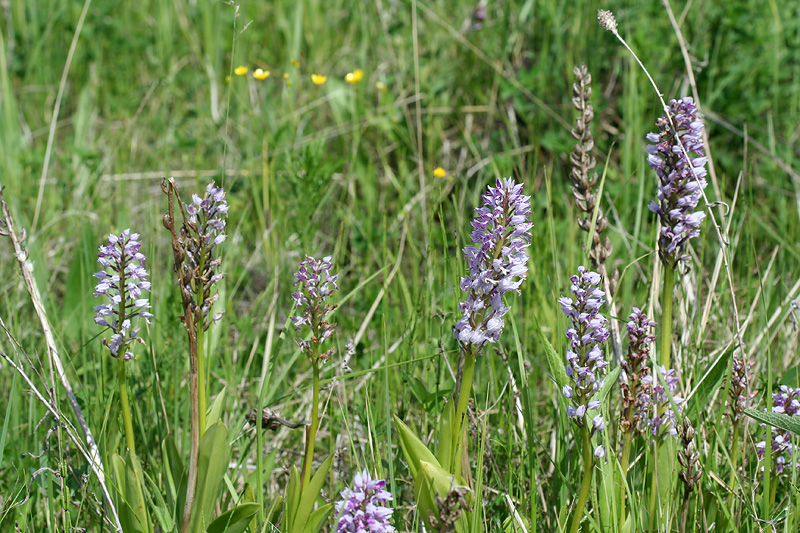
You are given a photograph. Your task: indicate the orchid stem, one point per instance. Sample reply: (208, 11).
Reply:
(588, 467)
(126, 407)
(312, 431)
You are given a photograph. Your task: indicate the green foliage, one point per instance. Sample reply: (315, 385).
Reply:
(778, 420)
(335, 169)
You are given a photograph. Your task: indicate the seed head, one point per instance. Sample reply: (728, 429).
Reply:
(607, 20)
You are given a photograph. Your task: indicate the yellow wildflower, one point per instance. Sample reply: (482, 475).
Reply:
(261, 74)
(354, 77)
(318, 79)
(241, 70)
(286, 75)
(439, 172)
(295, 63)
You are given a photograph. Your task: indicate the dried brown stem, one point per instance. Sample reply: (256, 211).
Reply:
(188, 319)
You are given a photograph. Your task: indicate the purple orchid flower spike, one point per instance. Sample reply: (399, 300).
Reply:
(363, 507)
(497, 262)
(681, 180)
(124, 283)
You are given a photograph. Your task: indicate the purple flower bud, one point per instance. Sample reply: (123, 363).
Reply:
(600, 452)
(496, 262)
(123, 288)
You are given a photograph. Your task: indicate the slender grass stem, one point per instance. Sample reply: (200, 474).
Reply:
(126, 407)
(586, 484)
(666, 316)
(312, 431)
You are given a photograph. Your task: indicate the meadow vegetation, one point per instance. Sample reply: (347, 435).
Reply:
(305, 338)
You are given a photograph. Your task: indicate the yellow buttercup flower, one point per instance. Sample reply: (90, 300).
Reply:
(261, 74)
(241, 70)
(318, 79)
(295, 63)
(439, 172)
(354, 77)
(286, 75)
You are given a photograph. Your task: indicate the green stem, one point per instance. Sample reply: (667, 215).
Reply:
(462, 405)
(465, 386)
(588, 468)
(653, 487)
(624, 463)
(202, 395)
(202, 401)
(666, 316)
(312, 431)
(126, 407)
(734, 454)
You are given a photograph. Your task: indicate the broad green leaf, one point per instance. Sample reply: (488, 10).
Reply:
(444, 451)
(175, 476)
(134, 494)
(248, 496)
(126, 517)
(273, 515)
(708, 386)
(554, 360)
(292, 498)
(778, 420)
(309, 496)
(216, 408)
(234, 520)
(432, 481)
(667, 470)
(318, 518)
(212, 462)
(413, 449)
(608, 382)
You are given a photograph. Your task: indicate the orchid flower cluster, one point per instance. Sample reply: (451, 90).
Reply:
(681, 180)
(317, 284)
(207, 219)
(363, 508)
(659, 410)
(587, 334)
(634, 403)
(125, 287)
(497, 262)
(786, 401)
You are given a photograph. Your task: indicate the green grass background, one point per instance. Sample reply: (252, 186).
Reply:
(347, 170)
